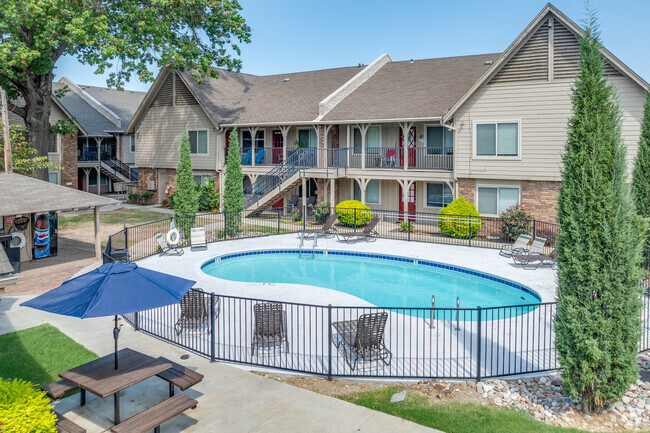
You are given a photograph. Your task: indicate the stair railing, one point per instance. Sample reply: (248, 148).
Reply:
(120, 167)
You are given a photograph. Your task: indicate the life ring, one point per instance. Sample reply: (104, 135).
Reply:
(17, 235)
(173, 237)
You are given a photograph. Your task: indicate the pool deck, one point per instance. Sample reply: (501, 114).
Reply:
(543, 280)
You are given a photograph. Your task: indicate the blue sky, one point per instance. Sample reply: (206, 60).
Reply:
(299, 35)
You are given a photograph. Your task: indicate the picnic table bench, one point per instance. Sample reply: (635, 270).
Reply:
(179, 376)
(156, 415)
(64, 425)
(58, 389)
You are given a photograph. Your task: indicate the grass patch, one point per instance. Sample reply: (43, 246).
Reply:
(39, 354)
(120, 216)
(453, 417)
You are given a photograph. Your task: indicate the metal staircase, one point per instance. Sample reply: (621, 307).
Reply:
(281, 180)
(116, 169)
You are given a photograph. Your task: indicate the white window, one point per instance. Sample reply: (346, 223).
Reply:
(373, 138)
(497, 139)
(53, 143)
(308, 137)
(198, 142)
(199, 179)
(372, 192)
(492, 200)
(132, 143)
(438, 195)
(440, 141)
(53, 177)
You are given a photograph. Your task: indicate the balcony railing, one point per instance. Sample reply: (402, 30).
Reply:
(394, 158)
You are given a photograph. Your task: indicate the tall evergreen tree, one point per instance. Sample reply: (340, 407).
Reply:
(186, 199)
(641, 179)
(233, 193)
(599, 301)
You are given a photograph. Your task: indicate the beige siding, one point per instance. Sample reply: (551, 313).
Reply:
(530, 62)
(158, 137)
(543, 110)
(127, 156)
(57, 114)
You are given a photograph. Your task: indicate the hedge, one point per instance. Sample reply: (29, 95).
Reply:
(455, 218)
(24, 409)
(345, 211)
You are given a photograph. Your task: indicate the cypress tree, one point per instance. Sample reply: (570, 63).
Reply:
(186, 199)
(233, 193)
(641, 178)
(597, 323)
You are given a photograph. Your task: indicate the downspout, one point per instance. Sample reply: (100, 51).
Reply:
(455, 164)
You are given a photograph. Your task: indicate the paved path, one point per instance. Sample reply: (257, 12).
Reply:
(230, 399)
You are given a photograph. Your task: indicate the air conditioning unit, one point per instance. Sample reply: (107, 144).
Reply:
(151, 185)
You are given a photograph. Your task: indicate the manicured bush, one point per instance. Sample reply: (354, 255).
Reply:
(186, 200)
(146, 196)
(641, 178)
(233, 191)
(515, 220)
(349, 209)
(134, 198)
(296, 215)
(321, 211)
(406, 226)
(456, 218)
(24, 409)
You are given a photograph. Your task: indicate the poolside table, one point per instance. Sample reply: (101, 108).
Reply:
(102, 379)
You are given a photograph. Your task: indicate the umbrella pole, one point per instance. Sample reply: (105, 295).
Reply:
(116, 334)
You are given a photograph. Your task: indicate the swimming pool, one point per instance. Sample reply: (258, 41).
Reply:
(382, 280)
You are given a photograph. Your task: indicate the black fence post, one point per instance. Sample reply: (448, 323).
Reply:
(469, 233)
(136, 321)
(126, 244)
(212, 328)
(304, 216)
(534, 228)
(329, 342)
(278, 220)
(225, 225)
(355, 219)
(478, 343)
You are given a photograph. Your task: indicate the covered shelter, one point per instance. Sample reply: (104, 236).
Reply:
(29, 210)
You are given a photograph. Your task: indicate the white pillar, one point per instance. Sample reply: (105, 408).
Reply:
(222, 179)
(98, 243)
(406, 129)
(332, 196)
(253, 132)
(285, 140)
(363, 129)
(304, 192)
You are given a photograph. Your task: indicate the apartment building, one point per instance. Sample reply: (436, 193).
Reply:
(408, 135)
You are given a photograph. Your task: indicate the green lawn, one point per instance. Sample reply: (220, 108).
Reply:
(122, 216)
(453, 417)
(39, 354)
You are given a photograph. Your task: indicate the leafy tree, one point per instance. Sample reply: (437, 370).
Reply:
(233, 193)
(186, 198)
(124, 37)
(599, 300)
(641, 178)
(24, 159)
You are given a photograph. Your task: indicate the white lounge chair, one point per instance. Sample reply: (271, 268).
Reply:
(198, 239)
(520, 246)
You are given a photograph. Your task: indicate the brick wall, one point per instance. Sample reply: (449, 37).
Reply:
(541, 198)
(70, 173)
(334, 133)
(145, 175)
(320, 190)
(467, 189)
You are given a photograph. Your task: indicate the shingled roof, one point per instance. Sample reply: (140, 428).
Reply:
(124, 103)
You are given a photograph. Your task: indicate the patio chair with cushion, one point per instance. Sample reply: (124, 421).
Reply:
(198, 239)
(369, 234)
(520, 246)
(166, 249)
(535, 260)
(535, 248)
(270, 326)
(363, 339)
(195, 311)
(327, 229)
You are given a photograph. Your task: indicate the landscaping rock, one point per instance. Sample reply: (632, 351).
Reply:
(398, 397)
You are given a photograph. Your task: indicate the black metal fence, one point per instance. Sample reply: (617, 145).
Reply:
(335, 341)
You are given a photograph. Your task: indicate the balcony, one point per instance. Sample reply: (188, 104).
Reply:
(419, 158)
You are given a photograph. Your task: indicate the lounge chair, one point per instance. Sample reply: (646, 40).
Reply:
(195, 311)
(520, 246)
(369, 234)
(390, 158)
(535, 248)
(198, 240)
(535, 260)
(260, 156)
(327, 229)
(166, 249)
(246, 160)
(363, 339)
(270, 326)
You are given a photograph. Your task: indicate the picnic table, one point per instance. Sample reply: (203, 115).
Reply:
(102, 379)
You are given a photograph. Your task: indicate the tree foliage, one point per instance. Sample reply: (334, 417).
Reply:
(599, 300)
(24, 159)
(186, 198)
(641, 178)
(233, 193)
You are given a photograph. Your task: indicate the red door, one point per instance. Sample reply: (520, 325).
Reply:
(411, 147)
(227, 145)
(411, 203)
(278, 143)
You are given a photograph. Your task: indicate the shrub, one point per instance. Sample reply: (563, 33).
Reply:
(146, 196)
(165, 203)
(455, 219)
(406, 226)
(515, 220)
(24, 409)
(186, 201)
(208, 196)
(134, 198)
(233, 189)
(349, 209)
(296, 215)
(321, 211)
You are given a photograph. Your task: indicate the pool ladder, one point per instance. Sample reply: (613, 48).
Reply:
(433, 313)
(313, 247)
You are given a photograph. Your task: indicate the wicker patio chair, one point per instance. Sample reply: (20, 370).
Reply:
(195, 311)
(198, 239)
(535, 260)
(327, 229)
(520, 246)
(166, 249)
(363, 339)
(369, 234)
(270, 326)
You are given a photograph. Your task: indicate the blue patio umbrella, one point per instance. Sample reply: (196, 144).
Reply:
(111, 290)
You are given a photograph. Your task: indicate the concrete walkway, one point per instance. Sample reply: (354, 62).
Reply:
(230, 399)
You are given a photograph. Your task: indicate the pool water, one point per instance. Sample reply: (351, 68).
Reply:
(385, 281)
